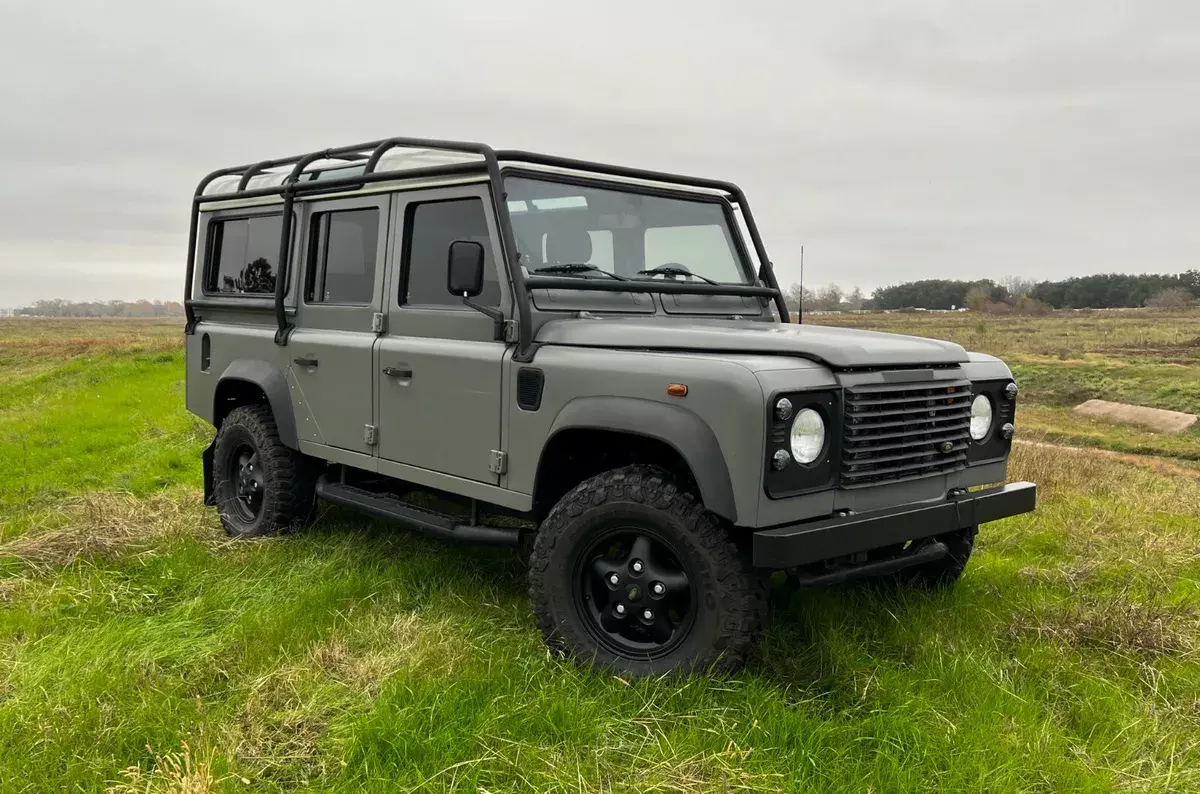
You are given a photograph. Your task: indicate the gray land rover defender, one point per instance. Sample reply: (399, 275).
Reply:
(594, 359)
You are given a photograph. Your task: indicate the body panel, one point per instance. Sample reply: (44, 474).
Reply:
(837, 347)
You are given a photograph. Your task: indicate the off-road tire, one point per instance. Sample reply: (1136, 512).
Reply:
(730, 602)
(943, 573)
(289, 490)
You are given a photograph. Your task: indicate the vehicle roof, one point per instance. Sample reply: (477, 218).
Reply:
(400, 161)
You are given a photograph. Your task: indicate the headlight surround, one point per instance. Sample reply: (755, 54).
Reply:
(982, 415)
(807, 437)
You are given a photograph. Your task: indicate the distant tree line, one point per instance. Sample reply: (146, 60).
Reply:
(1102, 291)
(57, 307)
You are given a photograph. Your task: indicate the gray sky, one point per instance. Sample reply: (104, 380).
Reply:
(896, 141)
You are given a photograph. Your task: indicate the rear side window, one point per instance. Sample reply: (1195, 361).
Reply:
(432, 226)
(243, 255)
(341, 257)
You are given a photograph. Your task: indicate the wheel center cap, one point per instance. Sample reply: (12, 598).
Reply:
(634, 593)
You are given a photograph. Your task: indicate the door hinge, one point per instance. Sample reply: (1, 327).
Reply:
(497, 462)
(377, 322)
(370, 435)
(510, 331)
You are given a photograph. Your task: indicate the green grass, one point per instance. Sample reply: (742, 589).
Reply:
(142, 650)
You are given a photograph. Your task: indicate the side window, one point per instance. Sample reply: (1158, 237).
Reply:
(432, 226)
(341, 257)
(242, 255)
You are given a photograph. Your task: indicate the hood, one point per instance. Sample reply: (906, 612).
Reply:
(840, 348)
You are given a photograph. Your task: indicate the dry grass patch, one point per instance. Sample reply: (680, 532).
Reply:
(1063, 471)
(1117, 624)
(277, 732)
(388, 645)
(107, 524)
(178, 772)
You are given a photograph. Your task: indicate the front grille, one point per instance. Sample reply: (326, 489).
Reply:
(904, 431)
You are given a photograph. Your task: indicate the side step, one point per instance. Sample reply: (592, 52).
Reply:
(929, 553)
(436, 524)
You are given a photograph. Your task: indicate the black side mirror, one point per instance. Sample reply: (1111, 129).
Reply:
(464, 268)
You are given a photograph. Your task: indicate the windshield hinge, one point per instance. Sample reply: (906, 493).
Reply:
(510, 331)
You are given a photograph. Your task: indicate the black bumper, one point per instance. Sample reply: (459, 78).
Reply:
(827, 538)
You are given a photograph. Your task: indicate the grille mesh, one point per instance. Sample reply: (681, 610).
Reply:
(904, 431)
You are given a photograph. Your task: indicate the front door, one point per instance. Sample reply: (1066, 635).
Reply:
(439, 363)
(330, 354)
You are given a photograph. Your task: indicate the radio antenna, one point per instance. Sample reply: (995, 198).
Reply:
(800, 303)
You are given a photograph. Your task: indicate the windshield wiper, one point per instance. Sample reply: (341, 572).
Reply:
(675, 270)
(575, 268)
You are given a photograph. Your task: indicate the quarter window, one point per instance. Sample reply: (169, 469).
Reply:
(342, 252)
(432, 226)
(243, 255)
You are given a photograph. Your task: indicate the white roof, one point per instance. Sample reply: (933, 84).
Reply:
(399, 160)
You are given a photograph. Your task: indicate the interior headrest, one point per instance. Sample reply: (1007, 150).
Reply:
(568, 246)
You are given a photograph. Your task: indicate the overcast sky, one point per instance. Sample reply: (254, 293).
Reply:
(894, 140)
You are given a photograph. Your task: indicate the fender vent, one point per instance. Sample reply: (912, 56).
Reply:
(529, 388)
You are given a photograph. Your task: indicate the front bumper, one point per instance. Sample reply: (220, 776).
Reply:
(824, 539)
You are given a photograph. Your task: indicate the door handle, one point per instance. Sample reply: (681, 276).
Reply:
(306, 361)
(393, 372)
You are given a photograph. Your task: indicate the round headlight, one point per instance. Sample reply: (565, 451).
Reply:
(981, 417)
(808, 436)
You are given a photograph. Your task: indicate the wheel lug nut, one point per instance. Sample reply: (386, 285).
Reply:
(637, 566)
(620, 609)
(614, 580)
(658, 588)
(648, 615)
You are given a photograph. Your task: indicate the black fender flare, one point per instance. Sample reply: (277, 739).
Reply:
(675, 426)
(273, 383)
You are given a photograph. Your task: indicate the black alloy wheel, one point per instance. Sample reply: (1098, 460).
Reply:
(636, 593)
(246, 473)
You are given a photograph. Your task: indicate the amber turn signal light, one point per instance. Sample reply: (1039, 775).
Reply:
(677, 389)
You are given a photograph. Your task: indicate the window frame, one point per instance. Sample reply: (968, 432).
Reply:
(741, 251)
(210, 252)
(314, 260)
(404, 262)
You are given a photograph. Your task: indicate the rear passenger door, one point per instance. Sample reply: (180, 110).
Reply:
(330, 353)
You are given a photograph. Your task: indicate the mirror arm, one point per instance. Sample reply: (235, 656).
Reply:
(496, 315)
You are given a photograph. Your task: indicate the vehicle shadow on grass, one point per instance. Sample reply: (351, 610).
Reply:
(828, 640)
(394, 544)
(820, 640)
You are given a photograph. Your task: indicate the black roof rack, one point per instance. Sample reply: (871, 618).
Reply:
(370, 154)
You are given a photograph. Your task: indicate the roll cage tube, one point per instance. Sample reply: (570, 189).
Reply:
(293, 185)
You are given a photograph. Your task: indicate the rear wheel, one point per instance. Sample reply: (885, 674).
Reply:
(260, 486)
(631, 573)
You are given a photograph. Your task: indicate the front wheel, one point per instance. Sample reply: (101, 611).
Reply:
(631, 573)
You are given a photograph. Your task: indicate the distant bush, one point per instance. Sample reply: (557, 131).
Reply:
(1172, 298)
(1032, 307)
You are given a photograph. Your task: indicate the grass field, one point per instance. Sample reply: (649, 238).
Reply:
(141, 650)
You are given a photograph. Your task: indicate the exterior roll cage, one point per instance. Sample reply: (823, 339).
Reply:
(369, 155)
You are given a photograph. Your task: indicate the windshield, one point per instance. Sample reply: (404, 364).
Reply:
(561, 226)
